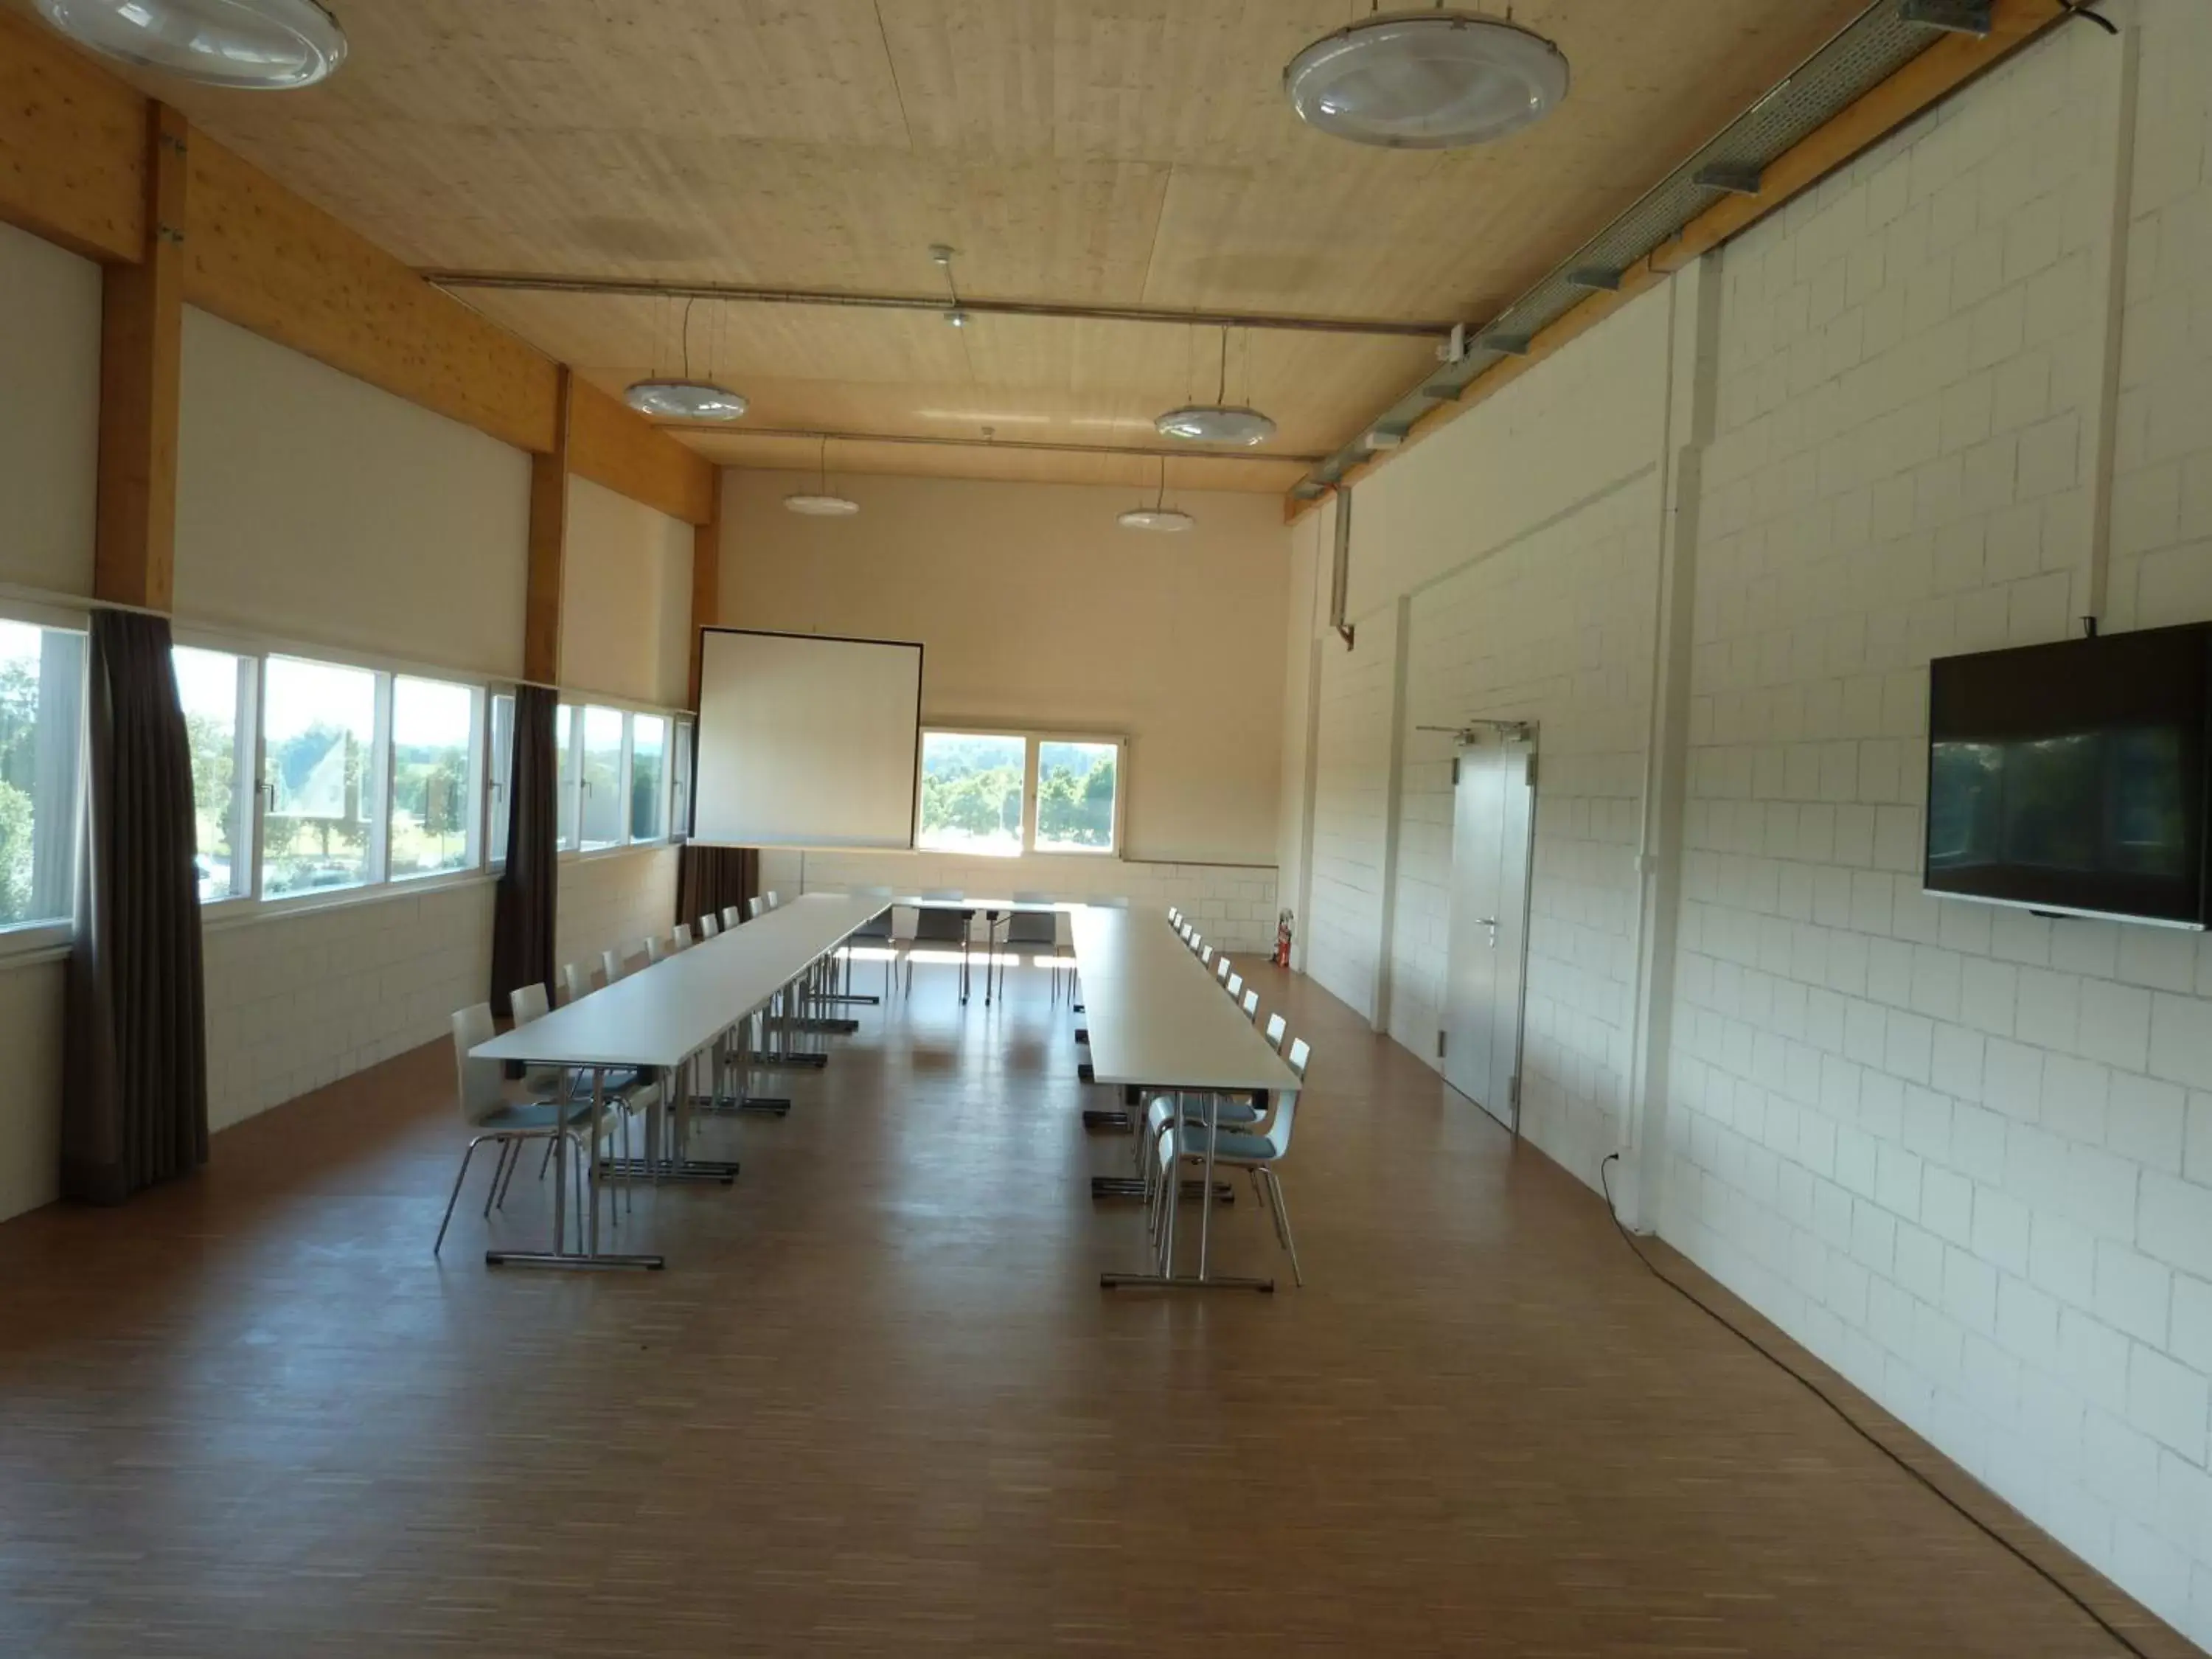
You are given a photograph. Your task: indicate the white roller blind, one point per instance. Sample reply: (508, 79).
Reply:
(805, 741)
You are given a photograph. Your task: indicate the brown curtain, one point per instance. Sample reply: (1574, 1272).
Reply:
(522, 916)
(135, 1107)
(709, 879)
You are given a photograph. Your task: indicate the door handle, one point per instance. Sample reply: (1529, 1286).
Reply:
(1491, 922)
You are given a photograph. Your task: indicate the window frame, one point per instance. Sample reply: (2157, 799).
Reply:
(1031, 738)
(473, 843)
(675, 781)
(25, 940)
(245, 768)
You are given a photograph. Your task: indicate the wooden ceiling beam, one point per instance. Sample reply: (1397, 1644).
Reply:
(549, 544)
(74, 169)
(142, 316)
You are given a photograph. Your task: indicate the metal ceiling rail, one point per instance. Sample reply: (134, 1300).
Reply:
(1024, 446)
(527, 282)
(1881, 40)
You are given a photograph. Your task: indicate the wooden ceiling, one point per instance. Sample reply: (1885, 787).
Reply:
(1117, 152)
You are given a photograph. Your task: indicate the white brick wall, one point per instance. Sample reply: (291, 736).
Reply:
(612, 901)
(1556, 628)
(1350, 810)
(1963, 1153)
(1949, 1146)
(1234, 904)
(297, 1002)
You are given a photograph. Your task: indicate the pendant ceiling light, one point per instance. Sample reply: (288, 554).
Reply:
(1158, 517)
(257, 44)
(683, 398)
(1426, 79)
(819, 503)
(1219, 421)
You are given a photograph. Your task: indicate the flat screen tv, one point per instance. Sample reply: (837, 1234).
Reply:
(2075, 777)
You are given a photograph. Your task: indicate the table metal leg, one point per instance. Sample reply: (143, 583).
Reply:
(590, 1254)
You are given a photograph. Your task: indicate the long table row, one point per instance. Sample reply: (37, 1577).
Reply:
(1156, 1020)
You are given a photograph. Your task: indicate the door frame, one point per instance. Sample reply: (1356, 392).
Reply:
(1499, 735)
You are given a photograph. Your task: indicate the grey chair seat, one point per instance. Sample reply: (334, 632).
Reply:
(1233, 1144)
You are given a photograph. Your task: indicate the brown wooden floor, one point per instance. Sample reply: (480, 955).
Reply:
(878, 1405)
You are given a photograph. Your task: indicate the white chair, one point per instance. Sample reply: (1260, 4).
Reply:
(486, 1109)
(754, 906)
(1252, 1007)
(941, 926)
(1034, 930)
(1206, 955)
(1221, 971)
(578, 979)
(1235, 985)
(614, 965)
(655, 950)
(708, 927)
(772, 900)
(875, 932)
(1278, 1028)
(1255, 1152)
(682, 936)
(730, 917)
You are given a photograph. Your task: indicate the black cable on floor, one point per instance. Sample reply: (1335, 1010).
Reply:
(1852, 1422)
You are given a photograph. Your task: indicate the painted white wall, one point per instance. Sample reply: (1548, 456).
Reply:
(626, 599)
(613, 902)
(49, 476)
(1035, 610)
(48, 413)
(311, 507)
(1956, 1150)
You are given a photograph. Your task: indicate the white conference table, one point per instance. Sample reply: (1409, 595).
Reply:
(1159, 1019)
(661, 1018)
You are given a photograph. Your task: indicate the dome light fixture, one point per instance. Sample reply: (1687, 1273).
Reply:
(680, 397)
(1158, 518)
(819, 502)
(685, 400)
(1426, 79)
(1219, 421)
(1216, 423)
(255, 45)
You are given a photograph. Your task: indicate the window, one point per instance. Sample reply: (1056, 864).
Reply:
(972, 791)
(1075, 793)
(679, 796)
(216, 689)
(434, 735)
(1004, 793)
(42, 708)
(648, 777)
(565, 725)
(602, 815)
(321, 725)
(502, 774)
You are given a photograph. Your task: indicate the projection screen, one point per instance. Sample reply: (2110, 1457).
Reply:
(806, 740)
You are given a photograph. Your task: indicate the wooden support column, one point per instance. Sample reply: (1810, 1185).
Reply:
(706, 579)
(548, 547)
(141, 334)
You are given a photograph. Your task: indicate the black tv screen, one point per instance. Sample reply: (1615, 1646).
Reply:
(2073, 776)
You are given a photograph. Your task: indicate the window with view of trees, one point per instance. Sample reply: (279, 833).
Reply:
(434, 792)
(216, 689)
(41, 706)
(501, 745)
(1000, 793)
(1075, 796)
(648, 776)
(319, 723)
(972, 788)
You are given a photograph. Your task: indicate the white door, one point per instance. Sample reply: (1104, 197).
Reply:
(1491, 818)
